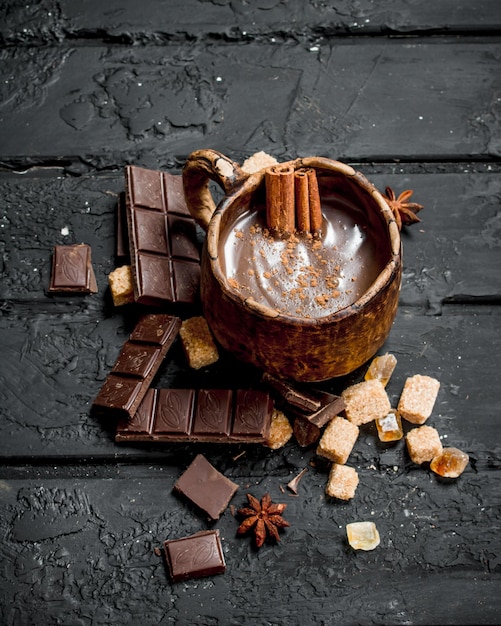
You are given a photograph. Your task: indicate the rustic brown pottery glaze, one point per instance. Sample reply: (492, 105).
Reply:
(298, 348)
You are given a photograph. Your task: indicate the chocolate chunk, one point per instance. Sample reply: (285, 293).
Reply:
(72, 270)
(208, 415)
(138, 362)
(165, 255)
(206, 487)
(294, 397)
(316, 406)
(195, 556)
(305, 433)
(330, 406)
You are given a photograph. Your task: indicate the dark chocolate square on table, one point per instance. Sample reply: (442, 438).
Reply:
(204, 486)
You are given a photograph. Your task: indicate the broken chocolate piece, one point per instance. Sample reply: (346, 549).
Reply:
(305, 433)
(195, 556)
(314, 405)
(72, 270)
(138, 362)
(206, 487)
(208, 415)
(301, 400)
(293, 484)
(163, 243)
(330, 406)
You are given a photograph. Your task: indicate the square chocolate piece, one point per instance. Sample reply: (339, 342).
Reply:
(213, 412)
(195, 556)
(174, 412)
(252, 410)
(205, 487)
(72, 270)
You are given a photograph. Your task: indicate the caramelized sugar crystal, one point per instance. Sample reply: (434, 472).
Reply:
(451, 463)
(362, 535)
(389, 428)
(381, 368)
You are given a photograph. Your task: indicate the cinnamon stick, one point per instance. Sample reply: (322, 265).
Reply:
(292, 200)
(302, 201)
(272, 182)
(279, 181)
(314, 202)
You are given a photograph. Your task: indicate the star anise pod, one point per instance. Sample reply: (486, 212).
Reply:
(404, 211)
(263, 518)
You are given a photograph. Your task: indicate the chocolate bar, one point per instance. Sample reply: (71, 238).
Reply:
(72, 270)
(208, 489)
(195, 556)
(137, 364)
(208, 415)
(165, 255)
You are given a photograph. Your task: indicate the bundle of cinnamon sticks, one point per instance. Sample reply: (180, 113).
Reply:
(292, 200)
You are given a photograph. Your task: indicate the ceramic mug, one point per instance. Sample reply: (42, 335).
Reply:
(298, 348)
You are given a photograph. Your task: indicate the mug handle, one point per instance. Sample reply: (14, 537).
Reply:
(201, 166)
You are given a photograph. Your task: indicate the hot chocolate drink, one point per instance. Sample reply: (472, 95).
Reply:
(302, 306)
(302, 275)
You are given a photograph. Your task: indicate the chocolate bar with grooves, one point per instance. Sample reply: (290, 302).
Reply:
(205, 415)
(195, 556)
(126, 386)
(164, 250)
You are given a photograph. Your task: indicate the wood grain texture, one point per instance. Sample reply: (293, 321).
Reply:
(76, 545)
(155, 22)
(382, 100)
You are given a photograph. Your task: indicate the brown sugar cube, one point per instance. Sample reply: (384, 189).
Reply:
(338, 440)
(121, 285)
(258, 161)
(342, 483)
(423, 444)
(366, 401)
(418, 397)
(451, 463)
(198, 343)
(381, 368)
(280, 430)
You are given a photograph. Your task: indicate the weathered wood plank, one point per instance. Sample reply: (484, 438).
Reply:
(54, 364)
(108, 106)
(83, 546)
(154, 21)
(453, 252)
(57, 351)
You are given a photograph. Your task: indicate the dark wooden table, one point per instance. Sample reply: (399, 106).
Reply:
(407, 92)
